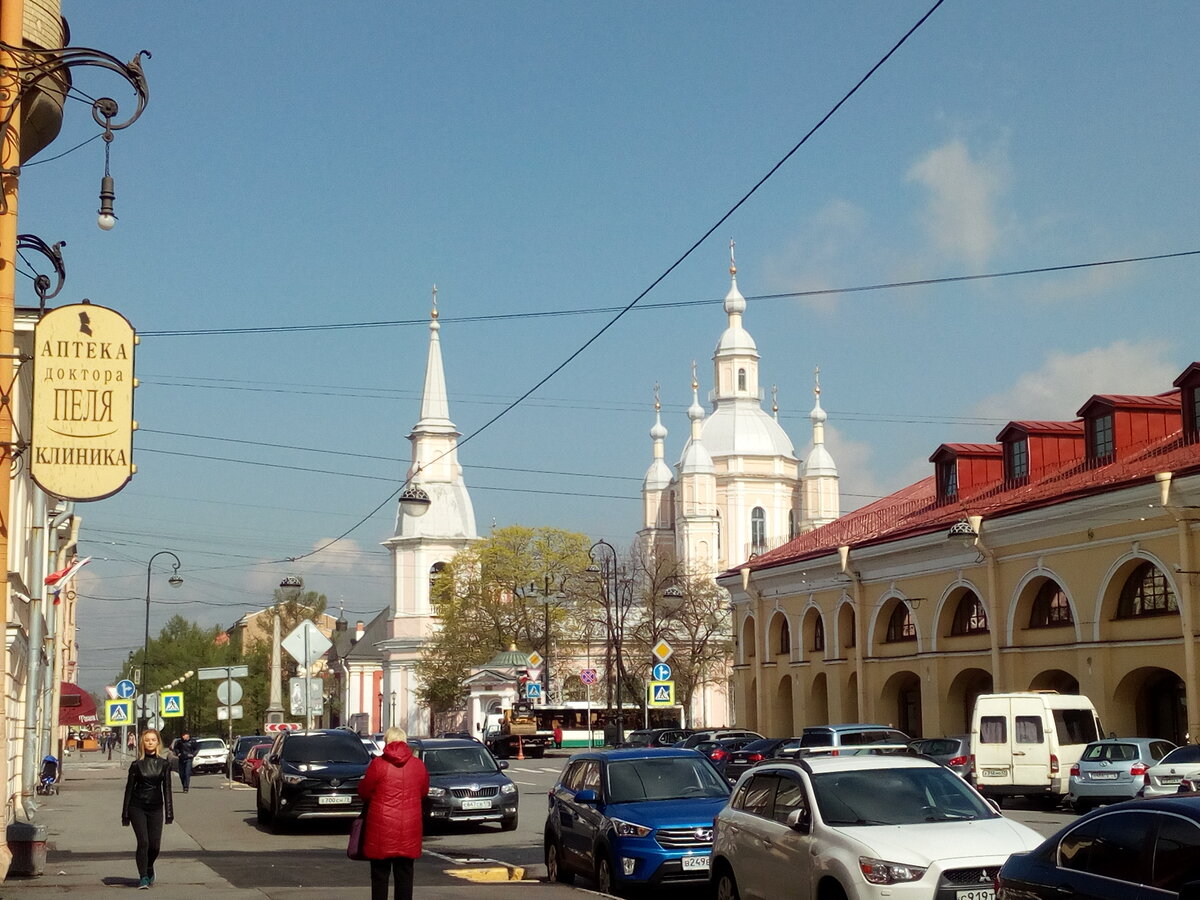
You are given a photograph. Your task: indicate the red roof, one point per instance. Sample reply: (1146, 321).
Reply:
(76, 706)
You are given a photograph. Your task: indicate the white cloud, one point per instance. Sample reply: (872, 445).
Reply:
(858, 481)
(1066, 381)
(815, 258)
(961, 216)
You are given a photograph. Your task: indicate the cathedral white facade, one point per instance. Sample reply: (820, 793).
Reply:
(738, 488)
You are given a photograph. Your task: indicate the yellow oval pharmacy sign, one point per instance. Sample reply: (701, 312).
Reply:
(82, 441)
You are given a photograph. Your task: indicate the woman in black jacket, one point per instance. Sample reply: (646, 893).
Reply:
(148, 803)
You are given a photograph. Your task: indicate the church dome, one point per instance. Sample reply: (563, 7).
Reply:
(658, 476)
(819, 463)
(742, 428)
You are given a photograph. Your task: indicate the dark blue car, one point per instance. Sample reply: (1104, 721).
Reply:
(633, 816)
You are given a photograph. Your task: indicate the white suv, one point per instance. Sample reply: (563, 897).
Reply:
(858, 827)
(211, 755)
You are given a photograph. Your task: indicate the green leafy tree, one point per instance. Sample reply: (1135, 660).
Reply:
(490, 596)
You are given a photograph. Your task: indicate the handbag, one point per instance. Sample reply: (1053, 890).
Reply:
(354, 847)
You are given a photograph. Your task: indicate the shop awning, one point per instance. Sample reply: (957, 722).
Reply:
(76, 706)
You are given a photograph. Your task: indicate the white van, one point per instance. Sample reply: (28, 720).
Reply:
(1025, 743)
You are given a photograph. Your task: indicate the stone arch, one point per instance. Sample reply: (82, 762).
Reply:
(779, 637)
(747, 645)
(781, 710)
(808, 634)
(1106, 626)
(1054, 680)
(892, 605)
(751, 705)
(1149, 700)
(846, 636)
(900, 702)
(964, 689)
(943, 636)
(816, 712)
(1021, 606)
(850, 710)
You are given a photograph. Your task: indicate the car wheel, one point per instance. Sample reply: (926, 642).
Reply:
(606, 880)
(726, 886)
(831, 891)
(554, 865)
(509, 823)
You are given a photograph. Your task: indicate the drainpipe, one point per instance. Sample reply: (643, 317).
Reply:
(50, 695)
(1184, 516)
(999, 681)
(33, 684)
(859, 631)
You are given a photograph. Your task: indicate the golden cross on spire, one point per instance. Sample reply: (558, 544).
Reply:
(434, 314)
(657, 404)
(732, 260)
(695, 383)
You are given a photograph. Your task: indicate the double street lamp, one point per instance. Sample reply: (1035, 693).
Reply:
(604, 565)
(174, 581)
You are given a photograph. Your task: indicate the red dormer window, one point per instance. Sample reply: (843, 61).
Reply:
(1100, 437)
(1016, 459)
(947, 479)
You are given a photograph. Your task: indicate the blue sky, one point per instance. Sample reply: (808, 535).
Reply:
(297, 167)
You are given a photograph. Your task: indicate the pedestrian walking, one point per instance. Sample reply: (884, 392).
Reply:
(393, 788)
(147, 804)
(557, 735)
(185, 750)
(131, 742)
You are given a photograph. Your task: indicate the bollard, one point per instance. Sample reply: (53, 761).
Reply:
(27, 842)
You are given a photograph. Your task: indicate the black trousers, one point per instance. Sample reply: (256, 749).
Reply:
(185, 771)
(382, 869)
(148, 827)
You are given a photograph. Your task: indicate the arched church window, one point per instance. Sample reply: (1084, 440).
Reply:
(900, 625)
(435, 570)
(791, 524)
(1051, 609)
(1146, 593)
(785, 638)
(741, 379)
(758, 530)
(819, 635)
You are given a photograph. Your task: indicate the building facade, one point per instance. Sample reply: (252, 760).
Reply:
(1061, 557)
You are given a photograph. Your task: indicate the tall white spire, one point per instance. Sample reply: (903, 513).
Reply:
(822, 499)
(435, 405)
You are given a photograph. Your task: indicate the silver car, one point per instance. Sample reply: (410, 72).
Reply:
(1113, 770)
(1164, 777)
(952, 752)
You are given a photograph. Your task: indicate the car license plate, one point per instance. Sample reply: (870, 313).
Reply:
(977, 894)
(1104, 776)
(695, 863)
(993, 773)
(333, 799)
(1171, 779)
(477, 804)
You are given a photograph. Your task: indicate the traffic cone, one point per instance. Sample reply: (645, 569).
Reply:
(520, 748)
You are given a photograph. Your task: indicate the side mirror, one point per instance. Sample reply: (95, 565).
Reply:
(587, 796)
(798, 820)
(502, 764)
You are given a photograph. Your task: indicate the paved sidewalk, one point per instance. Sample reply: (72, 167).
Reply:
(89, 855)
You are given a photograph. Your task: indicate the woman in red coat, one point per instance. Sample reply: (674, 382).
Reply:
(394, 787)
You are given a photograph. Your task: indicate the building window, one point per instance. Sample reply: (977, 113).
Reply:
(947, 479)
(785, 638)
(1146, 593)
(741, 379)
(1191, 414)
(435, 570)
(900, 625)
(1100, 436)
(969, 617)
(1050, 608)
(758, 530)
(819, 636)
(1017, 459)
(791, 524)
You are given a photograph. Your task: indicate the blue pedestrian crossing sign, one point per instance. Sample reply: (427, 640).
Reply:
(533, 690)
(662, 693)
(170, 704)
(118, 712)
(125, 689)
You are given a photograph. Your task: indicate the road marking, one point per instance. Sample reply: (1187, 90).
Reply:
(530, 783)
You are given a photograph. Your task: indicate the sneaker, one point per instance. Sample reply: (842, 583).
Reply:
(144, 883)
(150, 875)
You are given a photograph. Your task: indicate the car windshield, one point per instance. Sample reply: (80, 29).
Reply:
(896, 797)
(459, 761)
(325, 748)
(1189, 753)
(245, 744)
(663, 778)
(1110, 752)
(210, 744)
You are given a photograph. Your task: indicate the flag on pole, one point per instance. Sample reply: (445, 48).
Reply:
(56, 581)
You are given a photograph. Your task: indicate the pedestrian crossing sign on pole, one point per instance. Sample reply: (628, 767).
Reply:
(170, 704)
(662, 693)
(118, 712)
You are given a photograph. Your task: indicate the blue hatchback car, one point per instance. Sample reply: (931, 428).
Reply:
(633, 816)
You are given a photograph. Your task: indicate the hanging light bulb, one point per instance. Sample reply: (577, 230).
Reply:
(106, 220)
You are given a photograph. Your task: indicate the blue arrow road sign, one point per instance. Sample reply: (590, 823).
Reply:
(125, 689)
(661, 672)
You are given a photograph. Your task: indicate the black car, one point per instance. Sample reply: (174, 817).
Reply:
(1140, 848)
(655, 737)
(716, 734)
(311, 774)
(755, 752)
(242, 746)
(466, 783)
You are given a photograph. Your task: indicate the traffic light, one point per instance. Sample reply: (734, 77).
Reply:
(522, 680)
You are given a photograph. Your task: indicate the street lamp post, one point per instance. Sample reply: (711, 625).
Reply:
(604, 564)
(174, 581)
